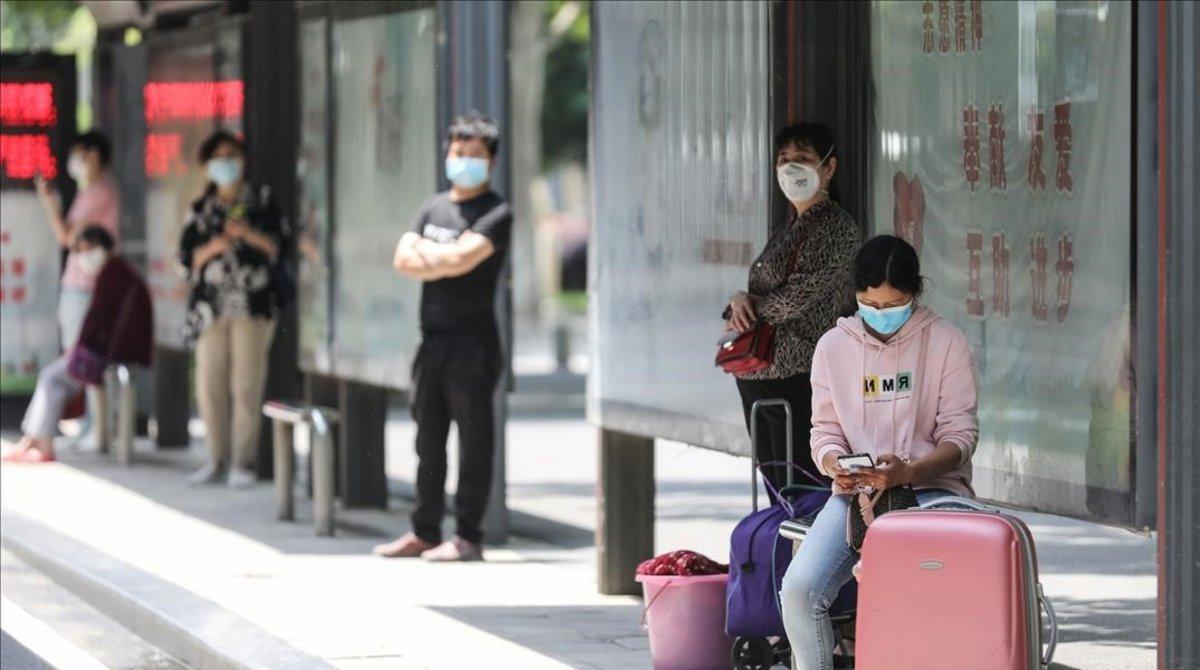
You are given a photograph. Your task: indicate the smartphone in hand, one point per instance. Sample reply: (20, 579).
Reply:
(856, 462)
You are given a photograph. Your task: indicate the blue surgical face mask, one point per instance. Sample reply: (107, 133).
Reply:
(224, 171)
(466, 172)
(887, 320)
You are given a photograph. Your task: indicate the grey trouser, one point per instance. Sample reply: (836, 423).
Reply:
(55, 388)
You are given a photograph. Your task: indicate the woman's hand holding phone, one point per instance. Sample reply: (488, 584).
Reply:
(841, 476)
(890, 470)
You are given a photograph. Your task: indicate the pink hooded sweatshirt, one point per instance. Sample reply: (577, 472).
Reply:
(901, 397)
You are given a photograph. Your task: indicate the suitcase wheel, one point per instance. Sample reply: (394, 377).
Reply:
(753, 653)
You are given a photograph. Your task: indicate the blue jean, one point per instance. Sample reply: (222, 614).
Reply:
(818, 571)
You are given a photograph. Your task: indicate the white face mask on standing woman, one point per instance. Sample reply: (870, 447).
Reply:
(77, 168)
(92, 260)
(800, 182)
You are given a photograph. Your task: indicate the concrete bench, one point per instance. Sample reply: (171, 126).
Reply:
(118, 381)
(320, 422)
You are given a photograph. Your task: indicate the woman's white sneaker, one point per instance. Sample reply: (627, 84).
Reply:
(209, 474)
(240, 478)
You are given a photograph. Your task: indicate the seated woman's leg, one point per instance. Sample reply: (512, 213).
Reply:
(55, 388)
(817, 573)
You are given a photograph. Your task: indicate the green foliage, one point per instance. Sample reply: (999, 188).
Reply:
(565, 106)
(34, 25)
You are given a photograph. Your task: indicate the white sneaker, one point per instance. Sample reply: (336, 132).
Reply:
(209, 474)
(241, 478)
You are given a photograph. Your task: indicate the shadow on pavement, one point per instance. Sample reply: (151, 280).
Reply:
(568, 634)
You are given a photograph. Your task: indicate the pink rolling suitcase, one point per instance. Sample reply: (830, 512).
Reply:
(942, 589)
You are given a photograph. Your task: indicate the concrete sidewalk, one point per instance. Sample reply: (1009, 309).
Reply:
(239, 586)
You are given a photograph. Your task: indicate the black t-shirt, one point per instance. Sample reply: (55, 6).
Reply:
(466, 302)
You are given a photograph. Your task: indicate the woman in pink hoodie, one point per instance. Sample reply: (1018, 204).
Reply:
(897, 382)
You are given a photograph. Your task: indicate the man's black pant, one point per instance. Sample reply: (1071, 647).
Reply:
(454, 378)
(772, 426)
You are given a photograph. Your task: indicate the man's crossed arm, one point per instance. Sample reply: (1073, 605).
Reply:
(427, 260)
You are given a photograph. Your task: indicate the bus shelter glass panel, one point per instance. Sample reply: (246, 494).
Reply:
(192, 89)
(385, 167)
(312, 172)
(1003, 154)
(682, 178)
(37, 120)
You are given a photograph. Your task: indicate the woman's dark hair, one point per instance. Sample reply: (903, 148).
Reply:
(210, 145)
(815, 136)
(96, 236)
(474, 125)
(887, 258)
(95, 140)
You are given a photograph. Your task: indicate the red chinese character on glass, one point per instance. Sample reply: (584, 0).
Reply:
(1038, 278)
(976, 25)
(960, 25)
(1000, 275)
(975, 302)
(908, 214)
(997, 172)
(1037, 125)
(944, 26)
(927, 26)
(1063, 134)
(1065, 267)
(970, 118)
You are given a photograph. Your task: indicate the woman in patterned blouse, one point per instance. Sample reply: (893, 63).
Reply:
(817, 242)
(229, 249)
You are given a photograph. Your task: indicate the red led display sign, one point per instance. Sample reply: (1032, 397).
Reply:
(26, 156)
(192, 100)
(28, 116)
(27, 104)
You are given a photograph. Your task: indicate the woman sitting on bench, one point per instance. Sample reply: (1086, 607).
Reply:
(118, 328)
(894, 386)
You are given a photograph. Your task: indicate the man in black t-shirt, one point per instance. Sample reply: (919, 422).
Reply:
(457, 247)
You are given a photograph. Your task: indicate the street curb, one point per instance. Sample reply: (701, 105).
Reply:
(194, 630)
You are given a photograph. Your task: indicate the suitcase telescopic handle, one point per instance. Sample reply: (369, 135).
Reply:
(1052, 621)
(787, 431)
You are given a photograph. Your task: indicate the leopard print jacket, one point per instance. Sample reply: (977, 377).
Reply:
(805, 304)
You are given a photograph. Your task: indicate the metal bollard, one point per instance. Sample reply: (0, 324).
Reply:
(126, 410)
(102, 411)
(285, 470)
(322, 460)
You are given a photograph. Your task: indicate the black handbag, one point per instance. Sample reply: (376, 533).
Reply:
(866, 507)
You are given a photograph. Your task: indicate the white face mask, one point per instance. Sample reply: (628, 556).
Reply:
(800, 182)
(77, 168)
(92, 260)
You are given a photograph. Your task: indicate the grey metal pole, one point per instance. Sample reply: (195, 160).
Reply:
(126, 414)
(321, 453)
(103, 412)
(625, 529)
(285, 472)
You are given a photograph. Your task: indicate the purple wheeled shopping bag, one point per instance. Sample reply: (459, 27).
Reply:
(758, 558)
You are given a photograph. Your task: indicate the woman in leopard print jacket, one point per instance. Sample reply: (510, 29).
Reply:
(817, 242)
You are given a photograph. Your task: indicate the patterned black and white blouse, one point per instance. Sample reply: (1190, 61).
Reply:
(240, 282)
(805, 304)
